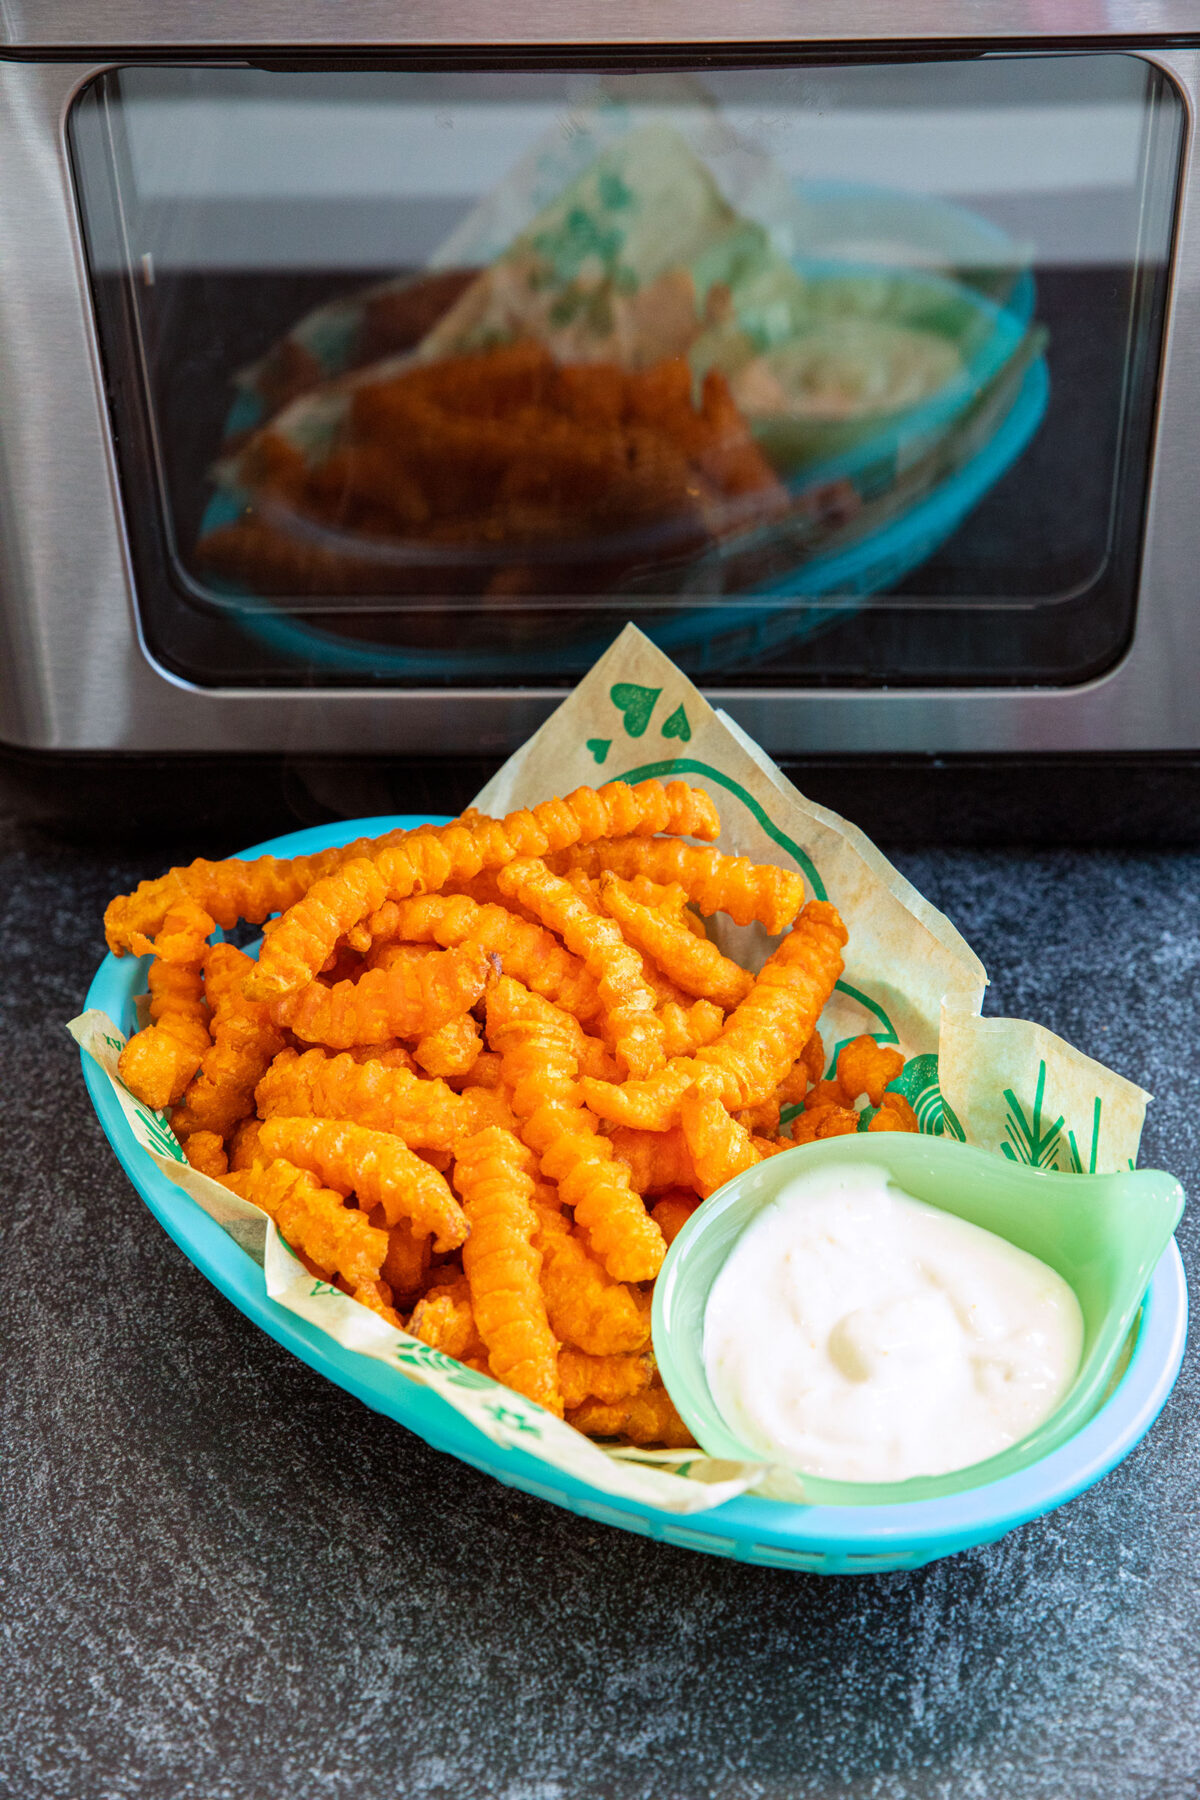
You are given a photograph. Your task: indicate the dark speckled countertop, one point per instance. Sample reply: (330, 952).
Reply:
(223, 1579)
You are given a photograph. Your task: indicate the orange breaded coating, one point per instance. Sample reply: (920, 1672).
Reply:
(719, 1147)
(244, 1044)
(244, 1149)
(668, 896)
(408, 999)
(158, 1062)
(430, 858)
(378, 1168)
(691, 962)
(895, 1114)
(866, 1067)
(391, 1054)
(824, 1121)
(443, 1319)
(426, 1114)
(812, 1057)
(761, 1039)
(761, 1120)
(206, 1153)
(406, 1264)
(452, 1049)
(673, 1211)
(313, 1219)
(647, 1418)
(484, 1073)
(657, 1160)
(771, 1146)
(804, 1073)
(714, 882)
(825, 1093)
(540, 1069)
(494, 1176)
(527, 951)
(631, 1025)
(387, 955)
(586, 1307)
(229, 891)
(609, 1379)
(688, 1029)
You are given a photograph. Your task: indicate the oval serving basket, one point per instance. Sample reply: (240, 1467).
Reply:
(823, 1539)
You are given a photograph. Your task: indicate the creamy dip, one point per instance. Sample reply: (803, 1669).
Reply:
(862, 1335)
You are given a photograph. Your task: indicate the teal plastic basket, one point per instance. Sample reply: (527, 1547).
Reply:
(778, 1534)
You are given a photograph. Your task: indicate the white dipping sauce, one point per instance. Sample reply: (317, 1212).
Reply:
(862, 1335)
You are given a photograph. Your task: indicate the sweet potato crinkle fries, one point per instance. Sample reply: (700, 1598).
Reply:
(481, 1074)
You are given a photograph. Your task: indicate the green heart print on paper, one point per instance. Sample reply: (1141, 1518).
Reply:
(599, 747)
(637, 704)
(677, 726)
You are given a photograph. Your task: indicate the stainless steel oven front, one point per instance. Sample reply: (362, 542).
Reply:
(364, 369)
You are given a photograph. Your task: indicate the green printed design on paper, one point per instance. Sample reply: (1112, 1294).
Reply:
(677, 726)
(161, 1137)
(1075, 1161)
(1041, 1145)
(686, 765)
(516, 1421)
(599, 747)
(636, 703)
(918, 1083)
(1028, 1138)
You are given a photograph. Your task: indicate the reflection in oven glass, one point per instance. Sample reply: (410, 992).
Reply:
(651, 389)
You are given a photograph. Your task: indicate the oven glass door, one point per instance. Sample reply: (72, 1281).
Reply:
(837, 375)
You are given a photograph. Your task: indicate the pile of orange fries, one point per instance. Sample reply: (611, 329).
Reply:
(482, 1073)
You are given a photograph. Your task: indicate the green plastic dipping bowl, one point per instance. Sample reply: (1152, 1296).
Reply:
(1103, 1234)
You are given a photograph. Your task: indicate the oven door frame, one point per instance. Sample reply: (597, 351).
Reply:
(75, 673)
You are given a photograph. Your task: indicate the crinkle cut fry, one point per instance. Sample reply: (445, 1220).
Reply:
(646, 1418)
(527, 951)
(719, 1147)
(734, 885)
(427, 860)
(494, 1174)
(761, 1040)
(452, 1050)
(376, 1166)
(406, 1265)
(427, 1114)
(586, 1307)
(408, 999)
(687, 1028)
(443, 1319)
(673, 1211)
(158, 1062)
(657, 1160)
(691, 962)
(244, 1044)
(631, 1024)
(540, 1069)
(229, 890)
(609, 1379)
(313, 1219)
